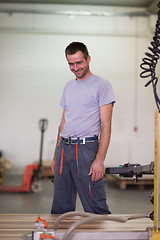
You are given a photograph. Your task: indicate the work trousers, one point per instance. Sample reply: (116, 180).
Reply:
(72, 166)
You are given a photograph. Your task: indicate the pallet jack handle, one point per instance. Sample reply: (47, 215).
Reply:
(43, 124)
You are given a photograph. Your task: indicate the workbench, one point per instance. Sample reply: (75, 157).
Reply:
(14, 226)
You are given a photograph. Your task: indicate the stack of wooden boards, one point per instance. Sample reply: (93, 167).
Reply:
(46, 168)
(15, 226)
(4, 165)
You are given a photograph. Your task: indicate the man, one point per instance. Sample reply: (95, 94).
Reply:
(78, 163)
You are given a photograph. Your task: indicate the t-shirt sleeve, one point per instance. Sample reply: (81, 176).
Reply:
(105, 94)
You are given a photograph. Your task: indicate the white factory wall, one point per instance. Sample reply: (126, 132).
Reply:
(33, 72)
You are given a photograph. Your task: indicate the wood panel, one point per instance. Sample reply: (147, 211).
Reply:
(13, 226)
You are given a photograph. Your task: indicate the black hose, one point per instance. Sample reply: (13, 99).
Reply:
(150, 61)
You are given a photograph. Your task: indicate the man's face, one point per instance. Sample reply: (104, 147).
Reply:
(78, 64)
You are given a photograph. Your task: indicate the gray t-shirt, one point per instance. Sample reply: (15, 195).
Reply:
(82, 100)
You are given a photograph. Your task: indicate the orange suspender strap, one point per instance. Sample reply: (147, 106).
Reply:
(77, 159)
(61, 165)
(90, 193)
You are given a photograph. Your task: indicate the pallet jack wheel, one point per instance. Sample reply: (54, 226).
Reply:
(36, 187)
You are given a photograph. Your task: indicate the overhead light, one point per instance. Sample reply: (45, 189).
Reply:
(76, 13)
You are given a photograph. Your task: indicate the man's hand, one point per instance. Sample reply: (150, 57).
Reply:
(96, 170)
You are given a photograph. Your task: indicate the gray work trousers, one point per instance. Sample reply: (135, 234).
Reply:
(72, 166)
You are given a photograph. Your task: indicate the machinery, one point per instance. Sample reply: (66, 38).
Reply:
(42, 232)
(156, 229)
(135, 171)
(32, 172)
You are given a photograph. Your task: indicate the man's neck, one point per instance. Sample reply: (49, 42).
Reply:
(85, 77)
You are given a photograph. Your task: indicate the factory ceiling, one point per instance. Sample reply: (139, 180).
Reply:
(150, 6)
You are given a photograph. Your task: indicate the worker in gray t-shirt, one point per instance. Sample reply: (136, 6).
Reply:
(83, 137)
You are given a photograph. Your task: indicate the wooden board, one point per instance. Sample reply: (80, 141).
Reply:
(46, 168)
(13, 226)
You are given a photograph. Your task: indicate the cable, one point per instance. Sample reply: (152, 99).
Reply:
(136, 216)
(101, 217)
(150, 61)
(89, 219)
(86, 214)
(70, 214)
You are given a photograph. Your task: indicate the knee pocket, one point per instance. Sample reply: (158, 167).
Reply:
(97, 192)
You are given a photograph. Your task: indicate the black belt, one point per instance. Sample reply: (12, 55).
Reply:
(79, 140)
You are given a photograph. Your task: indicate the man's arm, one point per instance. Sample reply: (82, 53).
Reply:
(97, 167)
(58, 139)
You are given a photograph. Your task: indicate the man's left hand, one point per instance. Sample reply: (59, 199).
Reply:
(96, 170)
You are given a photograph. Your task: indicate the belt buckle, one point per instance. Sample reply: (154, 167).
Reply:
(69, 140)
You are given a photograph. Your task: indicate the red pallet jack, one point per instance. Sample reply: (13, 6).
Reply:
(33, 172)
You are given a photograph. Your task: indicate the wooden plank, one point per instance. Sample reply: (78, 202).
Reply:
(28, 223)
(13, 226)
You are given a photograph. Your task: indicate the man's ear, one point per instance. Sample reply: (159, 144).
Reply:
(89, 58)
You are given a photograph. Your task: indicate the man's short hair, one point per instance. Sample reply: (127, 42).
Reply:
(74, 47)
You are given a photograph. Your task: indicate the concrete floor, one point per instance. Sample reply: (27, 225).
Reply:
(130, 200)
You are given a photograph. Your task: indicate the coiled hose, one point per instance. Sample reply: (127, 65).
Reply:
(70, 214)
(89, 217)
(150, 61)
